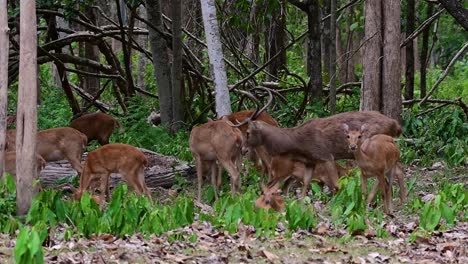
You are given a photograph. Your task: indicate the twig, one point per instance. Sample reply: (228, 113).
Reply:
(446, 71)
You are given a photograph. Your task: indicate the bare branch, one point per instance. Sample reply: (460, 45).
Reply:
(421, 28)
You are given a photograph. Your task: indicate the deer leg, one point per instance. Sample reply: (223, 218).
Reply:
(401, 181)
(363, 183)
(233, 173)
(199, 167)
(306, 180)
(103, 186)
(75, 161)
(142, 183)
(373, 192)
(219, 180)
(214, 169)
(385, 194)
(287, 185)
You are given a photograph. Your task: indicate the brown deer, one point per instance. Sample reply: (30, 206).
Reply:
(62, 143)
(269, 199)
(10, 163)
(287, 170)
(257, 155)
(217, 141)
(114, 158)
(10, 141)
(377, 156)
(96, 126)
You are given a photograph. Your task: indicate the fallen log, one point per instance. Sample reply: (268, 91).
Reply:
(160, 172)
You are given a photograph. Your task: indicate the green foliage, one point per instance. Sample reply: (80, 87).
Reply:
(449, 204)
(28, 248)
(300, 216)
(438, 135)
(8, 222)
(348, 206)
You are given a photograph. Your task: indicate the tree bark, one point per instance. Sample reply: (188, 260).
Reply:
(455, 8)
(326, 38)
(4, 51)
(161, 64)
(91, 51)
(177, 52)
(409, 69)
(215, 53)
(274, 41)
(126, 45)
(26, 124)
(391, 79)
(371, 83)
(314, 49)
(424, 54)
(332, 56)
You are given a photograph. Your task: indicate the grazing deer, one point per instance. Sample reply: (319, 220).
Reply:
(217, 141)
(62, 143)
(10, 163)
(257, 155)
(287, 170)
(96, 126)
(114, 158)
(377, 156)
(269, 199)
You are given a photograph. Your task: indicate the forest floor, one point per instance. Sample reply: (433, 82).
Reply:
(203, 243)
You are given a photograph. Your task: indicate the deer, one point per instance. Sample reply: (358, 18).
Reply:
(269, 199)
(287, 170)
(96, 126)
(56, 144)
(10, 163)
(377, 156)
(114, 158)
(216, 145)
(257, 155)
(62, 143)
(317, 140)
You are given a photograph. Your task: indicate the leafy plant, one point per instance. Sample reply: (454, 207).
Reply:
(300, 216)
(28, 248)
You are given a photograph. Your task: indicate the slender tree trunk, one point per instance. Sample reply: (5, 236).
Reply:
(126, 44)
(177, 83)
(4, 51)
(424, 53)
(371, 83)
(253, 38)
(391, 84)
(26, 124)
(215, 53)
(274, 41)
(326, 38)
(314, 50)
(161, 64)
(333, 56)
(409, 69)
(91, 51)
(142, 60)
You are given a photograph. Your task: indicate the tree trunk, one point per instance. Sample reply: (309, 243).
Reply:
(161, 64)
(253, 38)
(215, 53)
(91, 51)
(126, 46)
(424, 53)
(4, 51)
(326, 38)
(332, 56)
(274, 41)
(314, 49)
(371, 83)
(26, 124)
(142, 60)
(391, 79)
(409, 69)
(177, 52)
(457, 10)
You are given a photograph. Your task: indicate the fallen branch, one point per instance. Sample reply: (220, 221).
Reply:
(458, 101)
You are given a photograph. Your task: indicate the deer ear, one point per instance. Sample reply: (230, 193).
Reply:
(345, 127)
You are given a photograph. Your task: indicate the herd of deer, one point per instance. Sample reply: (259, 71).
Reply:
(69, 143)
(303, 153)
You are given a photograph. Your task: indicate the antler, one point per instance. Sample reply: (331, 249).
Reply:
(259, 110)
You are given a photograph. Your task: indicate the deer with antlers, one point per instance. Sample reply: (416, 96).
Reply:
(317, 140)
(216, 145)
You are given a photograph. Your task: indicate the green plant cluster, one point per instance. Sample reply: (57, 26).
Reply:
(450, 204)
(440, 135)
